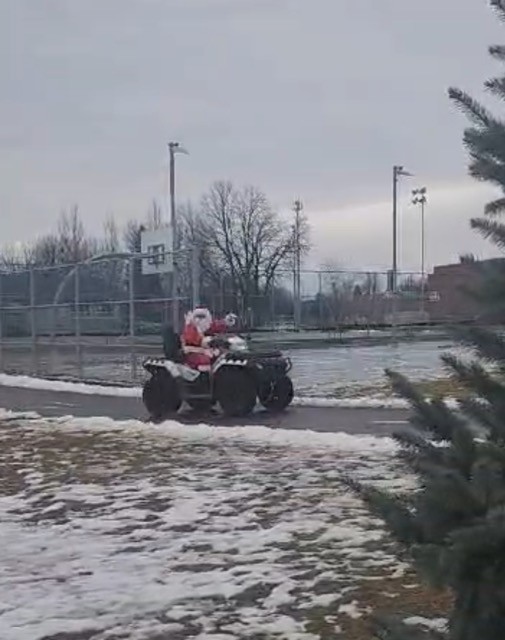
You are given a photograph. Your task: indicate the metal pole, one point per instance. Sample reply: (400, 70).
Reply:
(172, 146)
(33, 322)
(131, 306)
(397, 171)
(77, 318)
(395, 228)
(195, 277)
(297, 266)
(423, 251)
(395, 257)
(1, 322)
(419, 197)
(320, 282)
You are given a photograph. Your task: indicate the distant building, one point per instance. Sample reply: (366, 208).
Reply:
(449, 287)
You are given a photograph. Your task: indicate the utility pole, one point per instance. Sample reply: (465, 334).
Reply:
(398, 171)
(298, 208)
(419, 198)
(173, 148)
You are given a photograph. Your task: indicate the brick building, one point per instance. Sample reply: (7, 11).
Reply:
(449, 287)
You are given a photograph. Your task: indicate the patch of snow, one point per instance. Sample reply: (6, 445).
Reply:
(56, 506)
(218, 531)
(434, 624)
(42, 384)
(351, 609)
(207, 434)
(215, 636)
(360, 402)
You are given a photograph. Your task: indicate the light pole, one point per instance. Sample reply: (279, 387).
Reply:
(419, 198)
(173, 148)
(298, 208)
(398, 171)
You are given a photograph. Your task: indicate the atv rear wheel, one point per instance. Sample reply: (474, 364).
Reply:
(161, 395)
(235, 390)
(278, 395)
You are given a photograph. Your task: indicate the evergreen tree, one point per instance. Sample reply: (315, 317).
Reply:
(454, 525)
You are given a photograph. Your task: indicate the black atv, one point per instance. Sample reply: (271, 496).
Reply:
(237, 379)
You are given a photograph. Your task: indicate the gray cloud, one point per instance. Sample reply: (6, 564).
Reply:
(313, 99)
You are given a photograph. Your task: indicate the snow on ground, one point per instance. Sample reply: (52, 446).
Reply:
(28, 382)
(117, 530)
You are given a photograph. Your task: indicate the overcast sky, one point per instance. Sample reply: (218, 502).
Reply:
(312, 99)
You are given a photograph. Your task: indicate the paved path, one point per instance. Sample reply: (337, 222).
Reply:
(355, 421)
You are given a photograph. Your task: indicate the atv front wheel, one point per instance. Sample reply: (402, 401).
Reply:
(161, 395)
(235, 390)
(278, 395)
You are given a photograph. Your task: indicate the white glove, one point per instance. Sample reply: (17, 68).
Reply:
(230, 320)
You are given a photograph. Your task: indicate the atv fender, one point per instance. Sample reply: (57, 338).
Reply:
(155, 364)
(228, 362)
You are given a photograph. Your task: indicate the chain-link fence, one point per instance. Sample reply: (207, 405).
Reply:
(99, 319)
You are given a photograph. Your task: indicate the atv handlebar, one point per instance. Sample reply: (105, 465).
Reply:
(217, 342)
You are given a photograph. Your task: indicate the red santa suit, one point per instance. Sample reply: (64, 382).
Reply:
(199, 328)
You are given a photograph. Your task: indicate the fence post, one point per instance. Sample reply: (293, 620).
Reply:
(33, 322)
(131, 306)
(195, 276)
(394, 308)
(221, 293)
(77, 318)
(1, 323)
(272, 302)
(320, 298)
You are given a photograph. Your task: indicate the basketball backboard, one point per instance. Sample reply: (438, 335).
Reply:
(157, 244)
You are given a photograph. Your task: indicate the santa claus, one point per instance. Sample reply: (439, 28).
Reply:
(198, 332)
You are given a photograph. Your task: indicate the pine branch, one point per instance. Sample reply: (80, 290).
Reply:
(490, 345)
(499, 7)
(476, 378)
(496, 86)
(486, 170)
(490, 229)
(394, 510)
(485, 537)
(495, 207)
(418, 452)
(475, 112)
(487, 145)
(497, 51)
(431, 561)
(483, 415)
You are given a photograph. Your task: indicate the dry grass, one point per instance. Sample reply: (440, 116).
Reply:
(376, 597)
(435, 388)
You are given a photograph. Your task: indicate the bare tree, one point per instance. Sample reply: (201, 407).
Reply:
(132, 235)
(12, 256)
(340, 289)
(45, 251)
(246, 238)
(411, 284)
(74, 246)
(110, 243)
(467, 258)
(370, 285)
(154, 215)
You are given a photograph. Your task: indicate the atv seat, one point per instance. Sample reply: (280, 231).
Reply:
(172, 347)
